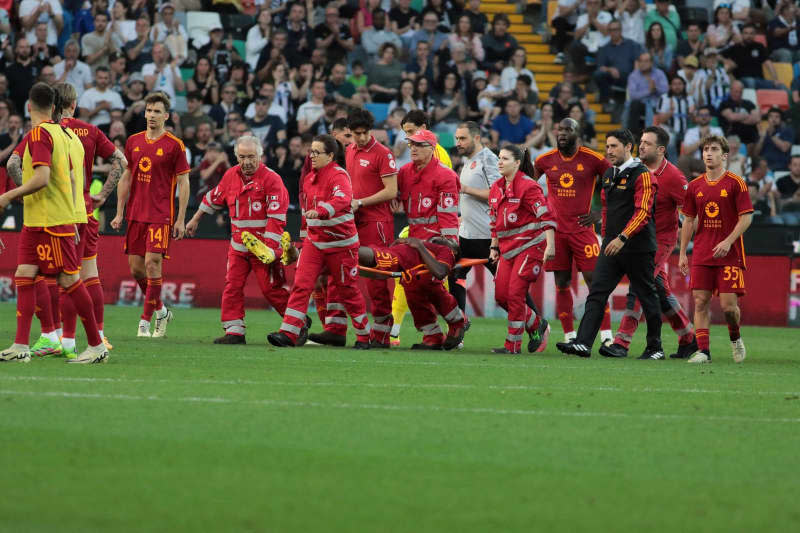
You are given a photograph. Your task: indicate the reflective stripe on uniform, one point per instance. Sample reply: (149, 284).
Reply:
(516, 251)
(207, 209)
(235, 330)
(249, 223)
(521, 229)
(381, 318)
(290, 328)
(451, 209)
(381, 327)
(336, 244)
(238, 246)
(541, 211)
(430, 329)
(335, 320)
(516, 324)
(303, 233)
(327, 207)
(278, 216)
(454, 315)
(428, 220)
(314, 222)
(513, 338)
(449, 231)
(334, 307)
(274, 236)
(229, 323)
(295, 313)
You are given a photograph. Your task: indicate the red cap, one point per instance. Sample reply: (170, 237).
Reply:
(424, 136)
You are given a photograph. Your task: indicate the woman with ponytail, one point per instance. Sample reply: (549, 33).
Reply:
(523, 237)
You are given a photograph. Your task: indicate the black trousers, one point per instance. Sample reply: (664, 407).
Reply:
(639, 267)
(475, 249)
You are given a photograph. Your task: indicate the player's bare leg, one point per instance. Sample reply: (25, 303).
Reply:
(19, 351)
(733, 315)
(606, 336)
(702, 320)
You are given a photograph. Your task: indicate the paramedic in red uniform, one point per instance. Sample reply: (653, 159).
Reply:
(332, 243)
(257, 202)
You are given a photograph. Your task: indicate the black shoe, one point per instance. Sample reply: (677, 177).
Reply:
(362, 345)
(375, 345)
(685, 351)
(574, 348)
(303, 337)
(327, 338)
(613, 350)
(453, 341)
(280, 340)
(423, 346)
(504, 350)
(655, 354)
(230, 339)
(538, 339)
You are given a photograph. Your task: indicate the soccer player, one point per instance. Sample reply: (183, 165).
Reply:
(671, 192)
(719, 204)
(373, 173)
(572, 173)
(257, 202)
(523, 236)
(52, 207)
(156, 164)
(425, 291)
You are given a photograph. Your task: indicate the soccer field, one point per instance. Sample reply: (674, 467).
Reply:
(177, 434)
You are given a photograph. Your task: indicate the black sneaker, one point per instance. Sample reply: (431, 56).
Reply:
(574, 347)
(654, 354)
(613, 350)
(280, 340)
(362, 345)
(329, 339)
(423, 346)
(230, 339)
(504, 350)
(452, 341)
(538, 338)
(375, 345)
(685, 351)
(303, 337)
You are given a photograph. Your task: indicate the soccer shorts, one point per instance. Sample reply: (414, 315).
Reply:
(582, 247)
(89, 233)
(375, 232)
(53, 254)
(144, 237)
(718, 279)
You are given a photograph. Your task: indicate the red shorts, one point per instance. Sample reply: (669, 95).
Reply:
(718, 279)
(51, 253)
(582, 246)
(144, 237)
(89, 233)
(375, 232)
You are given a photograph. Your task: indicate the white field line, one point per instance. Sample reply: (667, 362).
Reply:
(428, 386)
(400, 408)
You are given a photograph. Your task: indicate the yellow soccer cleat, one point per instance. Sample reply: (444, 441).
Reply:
(290, 253)
(258, 248)
(107, 344)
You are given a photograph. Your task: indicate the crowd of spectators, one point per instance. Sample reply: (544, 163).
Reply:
(289, 69)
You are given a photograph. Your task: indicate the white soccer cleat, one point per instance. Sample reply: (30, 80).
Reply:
(571, 336)
(16, 353)
(739, 351)
(91, 356)
(699, 358)
(161, 323)
(144, 329)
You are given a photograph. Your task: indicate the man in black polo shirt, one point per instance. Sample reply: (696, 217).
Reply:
(746, 60)
(739, 116)
(629, 247)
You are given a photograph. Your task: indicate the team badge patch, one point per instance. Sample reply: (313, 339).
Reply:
(272, 206)
(580, 167)
(257, 206)
(448, 202)
(723, 193)
(512, 217)
(159, 152)
(473, 165)
(427, 202)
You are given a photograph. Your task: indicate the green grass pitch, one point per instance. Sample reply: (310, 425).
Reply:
(178, 435)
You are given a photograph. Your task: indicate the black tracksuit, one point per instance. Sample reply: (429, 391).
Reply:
(628, 206)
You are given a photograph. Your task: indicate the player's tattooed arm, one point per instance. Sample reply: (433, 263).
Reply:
(14, 168)
(118, 164)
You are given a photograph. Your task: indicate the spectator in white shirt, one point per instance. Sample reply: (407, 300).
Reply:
(72, 70)
(311, 111)
(94, 105)
(258, 38)
(98, 45)
(123, 30)
(170, 32)
(631, 14)
(50, 11)
(161, 75)
(591, 33)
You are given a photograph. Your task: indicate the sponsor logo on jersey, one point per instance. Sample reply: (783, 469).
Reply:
(364, 162)
(712, 209)
(566, 180)
(145, 164)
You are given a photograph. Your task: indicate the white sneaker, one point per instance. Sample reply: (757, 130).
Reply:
(699, 358)
(91, 356)
(739, 352)
(571, 336)
(161, 323)
(144, 329)
(16, 353)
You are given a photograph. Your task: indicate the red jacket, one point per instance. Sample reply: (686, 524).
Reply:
(430, 199)
(257, 204)
(519, 215)
(329, 193)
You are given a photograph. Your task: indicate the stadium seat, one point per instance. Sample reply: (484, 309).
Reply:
(241, 48)
(446, 139)
(199, 24)
(180, 104)
(784, 71)
(790, 218)
(187, 73)
(776, 220)
(795, 149)
(769, 98)
(693, 14)
(378, 110)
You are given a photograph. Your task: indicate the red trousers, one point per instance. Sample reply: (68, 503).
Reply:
(342, 267)
(670, 307)
(370, 233)
(511, 283)
(271, 280)
(426, 297)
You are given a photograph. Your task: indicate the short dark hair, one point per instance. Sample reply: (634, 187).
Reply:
(158, 96)
(416, 117)
(524, 78)
(775, 109)
(500, 17)
(749, 25)
(623, 135)
(717, 139)
(194, 95)
(102, 68)
(472, 126)
(340, 124)
(42, 96)
(360, 118)
(662, 137)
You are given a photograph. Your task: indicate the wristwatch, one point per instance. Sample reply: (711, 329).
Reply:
(623, 237)
(360, 204)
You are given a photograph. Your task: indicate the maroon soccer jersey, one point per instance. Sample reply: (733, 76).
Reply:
(717, 206)
(403, 257)
(154, 166)
(95, 143)
(570, 184)
(671, 192)
(367, 167)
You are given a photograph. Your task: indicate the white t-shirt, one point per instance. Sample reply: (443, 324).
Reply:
(508, 79)
(80, 77)
(568, 3)
(29, 6)
(693, 135)
(165, 81)
(593, 39)
(480, 172)
(310, 112)
(406, 157)
(633, 25)
(92, 97)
